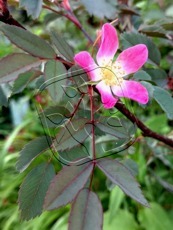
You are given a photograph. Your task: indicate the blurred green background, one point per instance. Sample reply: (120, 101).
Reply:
(19, 124)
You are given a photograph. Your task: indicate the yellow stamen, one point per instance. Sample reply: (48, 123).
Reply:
(112, 74)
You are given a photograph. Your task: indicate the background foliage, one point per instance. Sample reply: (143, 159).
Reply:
(150, 161)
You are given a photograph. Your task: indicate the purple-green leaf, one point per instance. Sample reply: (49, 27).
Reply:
(23, 80)
(28, 42)
(72, 134)
(62, 45)
(158, 76)
(31, 151)
(13, 65)
(55, 78)
(75, 156)
(114, 127)
(86, 212)
(153, 30)
(122, 176)
(103, 9)
(54, 116)
(66, 184)
(165, 100)
(33, 190)
(33, 7)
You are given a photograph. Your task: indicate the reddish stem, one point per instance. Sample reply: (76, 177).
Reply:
(77, 106)
(145, 130)
(90, 90)
(5, 15)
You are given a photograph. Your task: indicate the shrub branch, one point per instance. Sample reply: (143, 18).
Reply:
(145, 130)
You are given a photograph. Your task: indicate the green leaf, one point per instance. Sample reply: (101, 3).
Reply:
(153, 31)
(13, 65)
(115, 134)
(3, 97)
(103, 9)
(31, 151)
(121, 176)
(154, 218)
(80, 78)
(158, 76)
(28, 42)
(22, 81)
(33, 190)
(142, 75)
(114, 126)
(74, 156)
(55, 79)
(131, 39)
(86, 212)
(165, 100)
(72, 134)
(131, 165)
(54, 116)
(33, 7)
(62, 45)
(66, 184)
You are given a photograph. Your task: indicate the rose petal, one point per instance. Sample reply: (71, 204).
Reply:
(84, 60)
(132, 90)
(109, 44)
(107, 98)
(133, 58)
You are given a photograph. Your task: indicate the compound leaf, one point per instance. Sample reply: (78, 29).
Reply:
(66, 184)
(33, 190)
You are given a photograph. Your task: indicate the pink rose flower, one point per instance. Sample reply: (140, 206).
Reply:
(110, 74)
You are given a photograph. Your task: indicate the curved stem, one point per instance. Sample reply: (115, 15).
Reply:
(145, 130)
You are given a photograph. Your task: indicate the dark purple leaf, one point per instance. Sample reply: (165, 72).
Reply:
(23, 80)
(62, 46)
(13, 65)
(66, 184)
(55, 79)
(28, 42)
(121, 176)
(86, 212)
(72, 134)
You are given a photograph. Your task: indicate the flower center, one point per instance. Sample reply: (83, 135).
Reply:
(112, 74)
